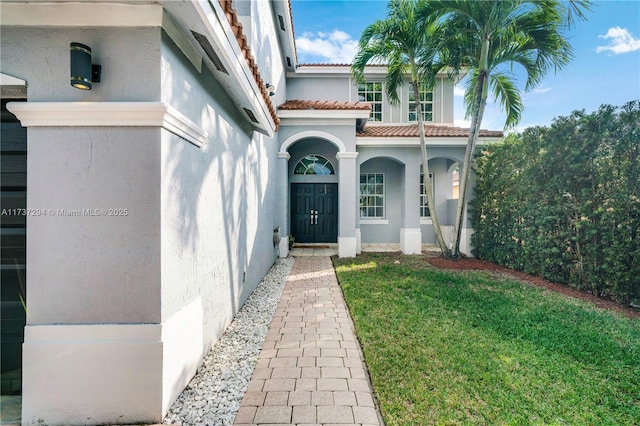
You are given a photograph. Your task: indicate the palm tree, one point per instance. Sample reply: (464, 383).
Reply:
(405, 44)
(488, 38)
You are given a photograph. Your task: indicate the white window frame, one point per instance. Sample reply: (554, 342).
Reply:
(314, 159)
(374, 195)
(423, 103)
(423, 196)
(362, 97)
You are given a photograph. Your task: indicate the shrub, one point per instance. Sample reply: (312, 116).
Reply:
(563, 202)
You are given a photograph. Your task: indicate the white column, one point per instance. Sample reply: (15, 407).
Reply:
(347, 189)
(283, 183)
(410, 233)
(358, 232)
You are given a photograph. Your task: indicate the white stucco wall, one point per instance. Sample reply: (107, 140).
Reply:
(95, 254)
(393, 161)
(40, 56)
(319, 88)
(93, 269)
(219, 208)
(218, 216)
(122, 309)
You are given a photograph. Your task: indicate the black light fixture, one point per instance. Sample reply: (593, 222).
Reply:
(271, 89)
(83, 73)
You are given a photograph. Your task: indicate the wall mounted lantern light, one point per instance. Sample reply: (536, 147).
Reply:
(83, 73)
(271, 89)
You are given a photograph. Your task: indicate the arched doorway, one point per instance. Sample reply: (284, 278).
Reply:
(314, 205)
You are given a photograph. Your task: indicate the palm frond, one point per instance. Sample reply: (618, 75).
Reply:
(507, 94)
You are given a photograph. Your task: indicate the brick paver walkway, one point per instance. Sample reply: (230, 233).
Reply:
(310, 370)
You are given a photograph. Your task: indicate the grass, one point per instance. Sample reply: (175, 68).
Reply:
(446, 348)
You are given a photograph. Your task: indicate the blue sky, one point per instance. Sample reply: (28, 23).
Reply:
(605, 70)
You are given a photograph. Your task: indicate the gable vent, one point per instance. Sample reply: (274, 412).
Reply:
(289, 62)
(281, 19)
(208, 49)
(250, 115)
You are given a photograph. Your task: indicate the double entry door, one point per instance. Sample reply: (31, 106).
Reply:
(314, 212)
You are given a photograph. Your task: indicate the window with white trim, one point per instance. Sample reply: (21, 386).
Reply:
(426, 104)
(371, 92)
(314, 165)
(424, 204)
(372, 195)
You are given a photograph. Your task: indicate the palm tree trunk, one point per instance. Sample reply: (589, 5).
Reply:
(427, 186)
(474, 131)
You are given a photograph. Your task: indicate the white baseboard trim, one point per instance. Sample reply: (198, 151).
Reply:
(109, 373)
(410, 240)
(347, 246)
(283, 247)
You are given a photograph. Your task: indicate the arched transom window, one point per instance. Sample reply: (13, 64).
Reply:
(314, 165)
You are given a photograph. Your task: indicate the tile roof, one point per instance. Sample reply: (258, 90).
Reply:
(338, 65)
(293, 31)
(325, 65)
(236, 26)
(430, 130)
(323, 105)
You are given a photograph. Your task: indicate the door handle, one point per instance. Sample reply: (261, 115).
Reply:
(311, 217)
(316, 217)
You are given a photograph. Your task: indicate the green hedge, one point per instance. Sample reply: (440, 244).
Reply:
(563, 202)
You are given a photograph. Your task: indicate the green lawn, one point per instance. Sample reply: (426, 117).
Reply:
(469, 348)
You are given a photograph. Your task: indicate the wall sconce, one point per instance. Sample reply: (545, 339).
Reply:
(83, 73)
(271, 89)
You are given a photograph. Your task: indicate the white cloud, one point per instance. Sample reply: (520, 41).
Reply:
(333, 47)
(541, 90)
(620, 41)
(465, 124)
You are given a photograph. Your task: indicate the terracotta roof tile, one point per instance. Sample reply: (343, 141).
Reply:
(325, 65)
(338, 65)
(236, 26)
(323, 105)
(429, 131)
(293, 31)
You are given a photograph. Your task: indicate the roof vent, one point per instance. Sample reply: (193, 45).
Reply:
(250, 114)
(281, 19)
(208, 49)
(289, 62)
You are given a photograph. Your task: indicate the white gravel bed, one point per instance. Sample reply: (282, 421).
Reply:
(213, 396)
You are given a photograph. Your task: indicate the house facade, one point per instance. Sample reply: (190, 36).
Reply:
(138, 216)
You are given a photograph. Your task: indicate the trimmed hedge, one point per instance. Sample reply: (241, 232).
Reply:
(563, 202)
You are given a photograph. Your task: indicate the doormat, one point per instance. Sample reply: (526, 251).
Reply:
(311, 246)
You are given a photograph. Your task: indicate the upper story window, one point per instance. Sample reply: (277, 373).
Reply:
(314, 165)
(371, 92)
(426, 104)
(372, 195)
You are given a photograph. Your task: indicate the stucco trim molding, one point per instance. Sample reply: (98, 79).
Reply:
(310, 114)
(180, 125)
(81, 14)
(313, 134)
(397, 142)
(108, 114)
(374, 221)
(347, 155)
